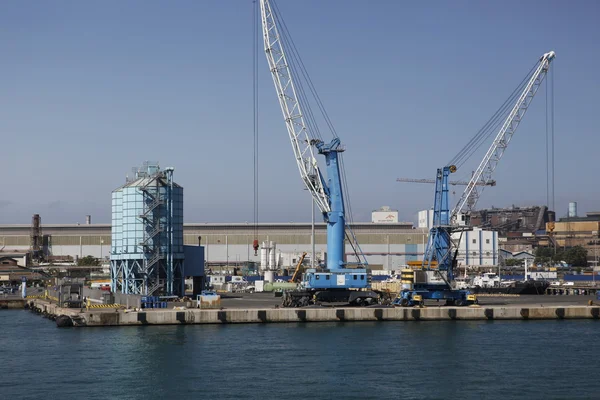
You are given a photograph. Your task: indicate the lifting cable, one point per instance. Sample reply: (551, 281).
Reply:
(299, 71)
(255, 49)
(550, 140)
(552, 131)
(349, 215)
(492, 125)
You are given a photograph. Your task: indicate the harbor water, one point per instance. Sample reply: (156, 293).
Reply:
(358, 360)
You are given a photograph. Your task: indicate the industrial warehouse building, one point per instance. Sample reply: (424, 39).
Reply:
(386, 246)
(389, 245)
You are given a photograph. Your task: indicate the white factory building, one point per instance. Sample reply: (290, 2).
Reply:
(386, 245)
(384, 215)
(478, 247)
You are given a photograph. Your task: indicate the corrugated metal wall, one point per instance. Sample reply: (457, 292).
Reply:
(14, 241)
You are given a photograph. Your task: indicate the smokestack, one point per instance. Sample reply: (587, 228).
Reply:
(88, 219)
(36, 237)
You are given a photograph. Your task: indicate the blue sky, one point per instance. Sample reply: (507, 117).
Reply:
(91, 89)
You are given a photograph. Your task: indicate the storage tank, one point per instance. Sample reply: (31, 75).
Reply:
(572, 209)
(147, 256)
(272, 256)
(264, 256)
(269, 276)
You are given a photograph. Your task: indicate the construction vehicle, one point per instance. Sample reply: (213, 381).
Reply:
(337, 280)
(438, 282)
(298, 271)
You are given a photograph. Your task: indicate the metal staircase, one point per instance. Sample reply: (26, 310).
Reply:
(151, 242)
(152, 289)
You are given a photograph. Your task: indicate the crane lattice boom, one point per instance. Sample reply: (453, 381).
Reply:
(302, 142)
(458, 183)
(483, 173)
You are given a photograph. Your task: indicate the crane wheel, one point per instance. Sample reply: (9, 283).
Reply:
(404, 302)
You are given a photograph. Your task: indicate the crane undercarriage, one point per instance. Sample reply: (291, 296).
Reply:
(355, 298)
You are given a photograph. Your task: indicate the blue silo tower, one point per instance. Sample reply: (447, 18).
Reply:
(146, 255)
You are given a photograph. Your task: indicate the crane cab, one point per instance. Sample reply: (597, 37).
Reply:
(340, 279)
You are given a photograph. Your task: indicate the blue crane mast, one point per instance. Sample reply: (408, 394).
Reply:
(435, 279)
(337, 281)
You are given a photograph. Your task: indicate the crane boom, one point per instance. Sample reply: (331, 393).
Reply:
(484, 171)
(327, 192)
(454, 183)
(302, 142)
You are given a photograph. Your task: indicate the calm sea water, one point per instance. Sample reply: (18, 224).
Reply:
(387, 360)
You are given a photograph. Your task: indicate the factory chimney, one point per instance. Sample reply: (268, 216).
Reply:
(88, 219)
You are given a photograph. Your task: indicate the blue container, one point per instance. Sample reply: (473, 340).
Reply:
(164, 304)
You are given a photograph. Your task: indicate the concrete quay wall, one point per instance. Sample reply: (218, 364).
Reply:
(106, 317)
(12, 303)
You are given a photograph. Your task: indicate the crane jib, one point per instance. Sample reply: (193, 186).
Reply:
(442, 247)
(496, 151)
(327, 193)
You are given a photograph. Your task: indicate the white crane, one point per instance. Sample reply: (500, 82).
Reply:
(483, 173)
(339, 282)
(302, 141)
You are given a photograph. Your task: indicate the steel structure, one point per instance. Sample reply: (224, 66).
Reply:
(147, 234)
(327, 192)
(453, 183)
(303, 144)
(328, 196)
(471, 200)
(442, 247)
(439, 246)
(488, 164)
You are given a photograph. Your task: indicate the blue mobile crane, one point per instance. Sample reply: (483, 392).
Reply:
(435, 278)
(338, 281)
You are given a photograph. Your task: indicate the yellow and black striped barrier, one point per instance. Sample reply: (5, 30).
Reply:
(104, 306)
(44, 296)
(497, 295)
(89, 305)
